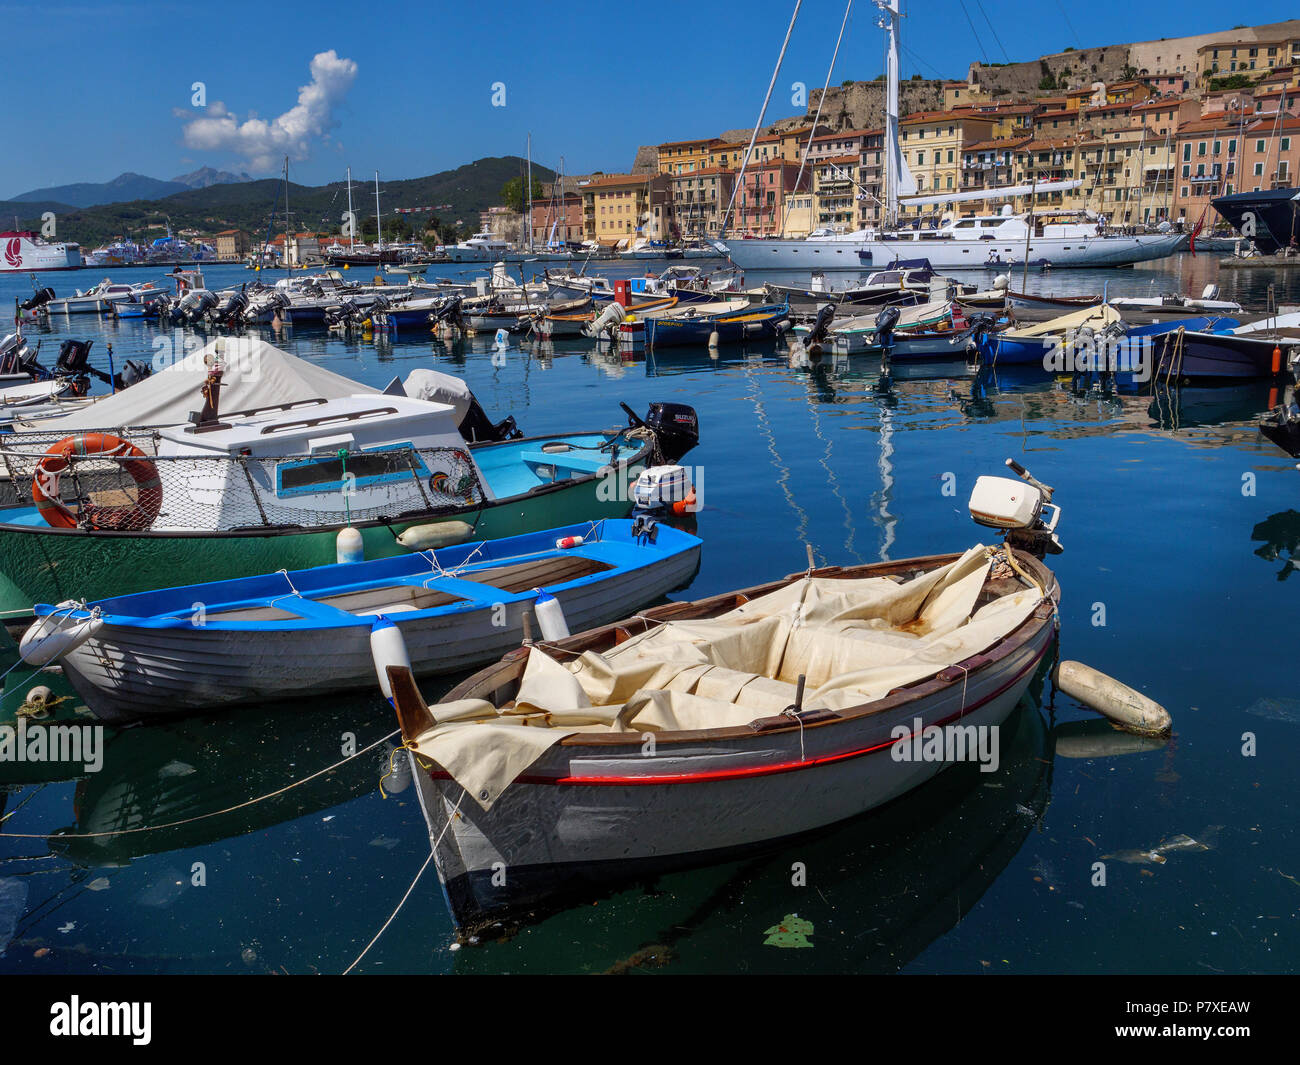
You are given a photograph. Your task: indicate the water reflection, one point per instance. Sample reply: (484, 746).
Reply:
(1280, 534)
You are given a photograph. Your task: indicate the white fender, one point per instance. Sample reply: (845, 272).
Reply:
(348, 546)
(387, 648)
(550, 616)
(54, 635)
(443, 534)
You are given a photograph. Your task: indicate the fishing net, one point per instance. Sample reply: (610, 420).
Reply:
(132, 488)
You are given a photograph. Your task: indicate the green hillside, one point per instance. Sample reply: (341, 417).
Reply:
(467, 190)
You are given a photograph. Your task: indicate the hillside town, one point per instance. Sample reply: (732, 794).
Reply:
(1152, 131)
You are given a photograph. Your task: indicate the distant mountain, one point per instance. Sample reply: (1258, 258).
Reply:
(209, 209)
(205, 176)
(126, 186)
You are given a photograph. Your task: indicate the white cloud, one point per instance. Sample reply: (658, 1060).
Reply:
(263, 142)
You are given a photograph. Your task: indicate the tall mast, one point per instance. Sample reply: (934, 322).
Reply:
(379, 225)
(888, 21)
(352, 219)
(287, 227)
(530, 192)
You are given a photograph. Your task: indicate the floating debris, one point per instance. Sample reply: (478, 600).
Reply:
(175, 768)
(793, 932)
(1276, 709)
(1169, 845)
(655, 956)
(100, 883)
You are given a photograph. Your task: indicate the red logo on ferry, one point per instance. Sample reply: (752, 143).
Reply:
(14, 252)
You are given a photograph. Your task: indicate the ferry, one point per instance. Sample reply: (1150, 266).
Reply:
(22, 251)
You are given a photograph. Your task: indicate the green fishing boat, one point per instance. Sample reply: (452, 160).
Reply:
(303, 484)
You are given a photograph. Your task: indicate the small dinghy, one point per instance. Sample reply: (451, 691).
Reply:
(308, 632)
(699, 731)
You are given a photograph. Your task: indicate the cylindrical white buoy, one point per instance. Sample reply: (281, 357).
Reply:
(550, 616)
(1128, 708)
(387, 648)
(348, 546)
(56, 634)
(565, 542)
(431, 537)
(713, 339)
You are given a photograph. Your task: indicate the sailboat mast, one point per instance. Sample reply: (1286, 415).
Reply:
(888, 21)
(352, 219)
(287, 261)
(530, 192)
(379, 225)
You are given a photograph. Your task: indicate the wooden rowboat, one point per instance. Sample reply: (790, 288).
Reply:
(613, 790)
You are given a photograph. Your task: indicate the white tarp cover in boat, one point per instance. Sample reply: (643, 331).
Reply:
(257, 374)
(438, 387)
(853, 640)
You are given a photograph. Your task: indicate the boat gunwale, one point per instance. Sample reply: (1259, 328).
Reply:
(512, 665)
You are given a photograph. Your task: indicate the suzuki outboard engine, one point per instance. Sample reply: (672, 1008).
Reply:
(675, 425)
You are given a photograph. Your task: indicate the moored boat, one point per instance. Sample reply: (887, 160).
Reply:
(308, 632)
(701, 731)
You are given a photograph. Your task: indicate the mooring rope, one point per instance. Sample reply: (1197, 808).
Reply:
(212, 813)
(393, 916)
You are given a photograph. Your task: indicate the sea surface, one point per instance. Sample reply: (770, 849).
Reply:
(1181, 527)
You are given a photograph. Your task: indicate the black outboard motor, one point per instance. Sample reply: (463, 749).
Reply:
(821, 325)
(675, 425)
(39, 298)
(448, 309)
(476, 426)
(886, 320)
(977, 328)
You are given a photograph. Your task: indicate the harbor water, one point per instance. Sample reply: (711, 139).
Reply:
(1181, 527)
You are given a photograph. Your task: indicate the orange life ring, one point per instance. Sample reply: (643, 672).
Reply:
(138, 516)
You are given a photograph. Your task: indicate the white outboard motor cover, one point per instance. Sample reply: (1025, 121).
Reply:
(661, 486)
(1005, 503)
(435, 387)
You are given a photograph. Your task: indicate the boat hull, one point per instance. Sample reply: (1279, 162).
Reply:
(1271, 219)
(40, 564)
(144, 670)
(948, 254)
(1182, 356)
(550, 836)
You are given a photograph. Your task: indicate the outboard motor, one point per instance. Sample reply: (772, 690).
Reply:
(477, 426)
(886, 320)
(675, 425)
(37, 299)
(15, 355)
(74, 362)
(821, 325)
(448, 309)
(133, 372)
(1020, 512)
(233, 311)
(977, 329)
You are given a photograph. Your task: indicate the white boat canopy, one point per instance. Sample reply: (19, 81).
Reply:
(256, 374)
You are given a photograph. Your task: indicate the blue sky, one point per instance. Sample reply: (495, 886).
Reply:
(91, 90)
